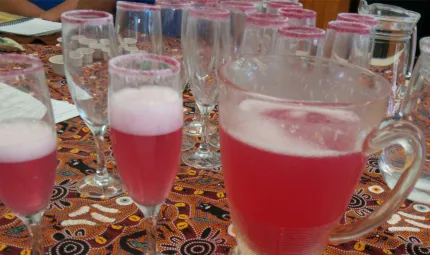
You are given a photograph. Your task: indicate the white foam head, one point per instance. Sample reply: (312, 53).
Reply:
(26, 140)
(146, 111)
(250, 126)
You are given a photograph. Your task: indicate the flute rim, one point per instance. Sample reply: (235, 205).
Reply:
(292, 31)
(349, 27)
(171, 62)
(36, 66)
(70, 17)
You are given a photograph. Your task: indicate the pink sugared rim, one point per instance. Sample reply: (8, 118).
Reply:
(297, 13)
(239, 6)
(209, 13)
(266, 19)
(302, 32)
(132, 6)
(355, 17)
(205, 2)
(349, 27)
(174, 4)
(36, 64)
(281, 4)
(172, 63)
(86, 17)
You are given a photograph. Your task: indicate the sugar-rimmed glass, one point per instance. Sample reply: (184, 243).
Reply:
(87, 78)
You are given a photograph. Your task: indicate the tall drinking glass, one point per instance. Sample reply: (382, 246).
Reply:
(349, 42)
(28, 156)
(260, 33)
(173, 19)
(145, 113)
(87, 77)
(281, 136)
(299, 17)
(299, 40)
(359, 18)
(206, 47)
(138, 27)
(275, 5)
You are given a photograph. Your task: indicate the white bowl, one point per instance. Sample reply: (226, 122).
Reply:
(57, 64)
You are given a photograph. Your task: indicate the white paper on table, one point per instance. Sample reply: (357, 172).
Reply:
(63, 110)
(18, 104)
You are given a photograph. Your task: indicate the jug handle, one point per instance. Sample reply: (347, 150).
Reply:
(411, 138)
(413, 52)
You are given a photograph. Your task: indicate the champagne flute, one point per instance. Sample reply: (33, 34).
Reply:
(274, 6)
(349, 42)
(173, 20)
(206, 45)
(299, 17)
(28, 157)
(145, 113)
(299, 40)
(138, 27)
(86, 73)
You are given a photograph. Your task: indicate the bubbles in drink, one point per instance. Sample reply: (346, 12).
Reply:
(25, 140)
(146, 111)
(296, 130)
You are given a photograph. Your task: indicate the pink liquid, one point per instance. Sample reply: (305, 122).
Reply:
(146, 130)
(286, 202)
(27, 166)
(147, 164)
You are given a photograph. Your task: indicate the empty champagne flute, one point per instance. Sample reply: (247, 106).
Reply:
(87, 78)
(275, 5)
(299, 40)
(349, 42)
(299, 17)
(326, 123)
(260, 33)
(28, 148)
(146, 118)
(173, 19)
(138, 27)
(206, 45)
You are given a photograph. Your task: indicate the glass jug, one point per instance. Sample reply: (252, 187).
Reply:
(415, 108)
(395, 46)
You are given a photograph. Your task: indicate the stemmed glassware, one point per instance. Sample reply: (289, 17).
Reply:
(349, 42)
(206, 45)
(28, 147)
(173, 19)
(138, 27)
(260, 33)
(146, 118)
(299, 40)
(87, 77)
(299, 17)
(274, 6)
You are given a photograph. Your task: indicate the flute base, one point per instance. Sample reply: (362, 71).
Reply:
(202, 160)
(104, 187)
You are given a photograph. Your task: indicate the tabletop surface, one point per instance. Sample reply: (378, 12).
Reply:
(195, 217)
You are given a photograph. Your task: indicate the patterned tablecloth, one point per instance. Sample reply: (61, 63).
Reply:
(195, 218)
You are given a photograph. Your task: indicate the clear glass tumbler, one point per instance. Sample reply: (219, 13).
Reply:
(280, 136)
(28, 147)
(87, 78)
(299, 40)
